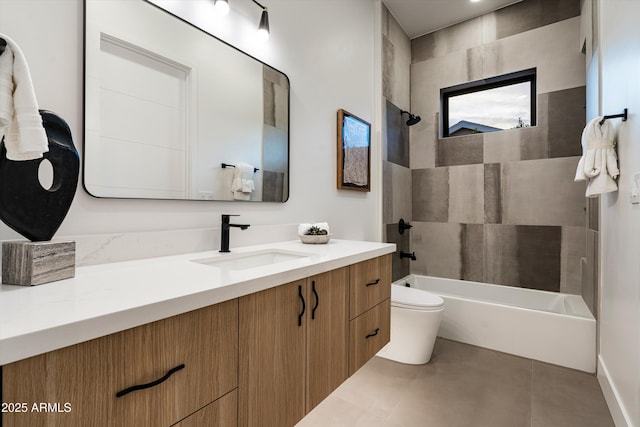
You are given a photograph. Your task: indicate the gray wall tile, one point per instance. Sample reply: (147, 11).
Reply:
(539, 249)
(430, 188)
(593, 213)
(388, 70)
(460, 150)
(492, 194)
(397, 136)
(471, 252)
(399, 267)
(397, 193)
(574, 242)
(590, 272)
(437, 248)
(502, 146)
(466, 194)
(530, 14)
(566, 120)
(500, 255)
(534, 141)
(542, 192)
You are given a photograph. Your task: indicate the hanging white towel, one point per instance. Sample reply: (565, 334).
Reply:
(20, 122)
(243, 184)
(599, 163)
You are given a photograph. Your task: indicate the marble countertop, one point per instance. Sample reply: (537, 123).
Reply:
(108, 298)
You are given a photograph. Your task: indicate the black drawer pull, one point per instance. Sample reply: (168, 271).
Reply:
(373, 334)
(151, 384)
(375, 282)
(315, 293)
(304, 305)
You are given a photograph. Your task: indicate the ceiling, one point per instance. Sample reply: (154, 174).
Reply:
(419, 17)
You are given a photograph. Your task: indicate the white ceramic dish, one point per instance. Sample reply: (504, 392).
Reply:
(315, 238)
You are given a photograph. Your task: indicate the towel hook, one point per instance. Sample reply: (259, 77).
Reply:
(3, 45)
(615, 116)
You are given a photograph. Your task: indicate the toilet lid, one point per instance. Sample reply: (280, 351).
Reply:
(417, 299)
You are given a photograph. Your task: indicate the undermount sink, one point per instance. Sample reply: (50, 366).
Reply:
(245, 261)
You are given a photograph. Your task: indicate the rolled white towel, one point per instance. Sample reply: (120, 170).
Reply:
(598, 164)
(20, 121)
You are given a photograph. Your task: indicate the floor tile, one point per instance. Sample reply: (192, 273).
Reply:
(566, 398)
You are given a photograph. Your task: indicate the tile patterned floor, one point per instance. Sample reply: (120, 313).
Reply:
(464, 386)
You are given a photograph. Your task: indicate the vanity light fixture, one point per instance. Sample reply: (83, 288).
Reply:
(263, 27)
(221, 7)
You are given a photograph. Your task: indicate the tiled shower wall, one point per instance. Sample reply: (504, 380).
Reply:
(396, 169)
(501, 207)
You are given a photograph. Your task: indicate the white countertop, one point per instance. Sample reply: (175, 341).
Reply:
(108, 298)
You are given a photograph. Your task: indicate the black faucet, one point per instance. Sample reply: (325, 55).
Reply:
(411, 256)
(224, 238)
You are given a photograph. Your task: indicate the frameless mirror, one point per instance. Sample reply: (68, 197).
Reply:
(170, 111)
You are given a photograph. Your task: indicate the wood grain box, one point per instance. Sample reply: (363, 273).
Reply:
(35, 263)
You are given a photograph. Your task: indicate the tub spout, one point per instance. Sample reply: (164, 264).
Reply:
(411, 255)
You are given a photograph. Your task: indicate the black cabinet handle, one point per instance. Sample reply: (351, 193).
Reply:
(375, 282)
(373, 334)
(152, 383)
(304, 305)
(315, 294)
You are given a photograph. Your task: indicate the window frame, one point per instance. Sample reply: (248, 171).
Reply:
(528, 75)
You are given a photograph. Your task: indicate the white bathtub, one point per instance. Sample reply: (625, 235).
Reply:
(547, 326)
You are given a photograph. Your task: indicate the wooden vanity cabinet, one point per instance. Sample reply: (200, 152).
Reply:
(293, 348)
(370, 309)
(87, 376)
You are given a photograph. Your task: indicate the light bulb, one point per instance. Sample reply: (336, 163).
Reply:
(221, 7)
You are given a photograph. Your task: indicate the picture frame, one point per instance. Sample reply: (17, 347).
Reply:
(354, 152)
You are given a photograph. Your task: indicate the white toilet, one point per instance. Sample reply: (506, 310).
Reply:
(415, 318)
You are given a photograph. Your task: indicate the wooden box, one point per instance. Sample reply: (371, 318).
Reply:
(35, 263)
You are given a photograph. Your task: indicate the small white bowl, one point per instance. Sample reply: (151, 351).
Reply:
(315, 238)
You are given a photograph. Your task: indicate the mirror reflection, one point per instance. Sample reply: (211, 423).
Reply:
(173, 113)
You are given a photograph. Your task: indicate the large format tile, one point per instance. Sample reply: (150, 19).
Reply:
(397, 192)
(472, 252)
(399, 267)
(438, 249)
(468, 386)
(492, 194)
(466, 194)
(388, 69)
(454, 38)
(530, 14)
(542, 192)
(430, 189)
(460, 150)
(500, 255)
(566, 116)
(397, 136)
(566, 398)
(539, 260)
(574, 244)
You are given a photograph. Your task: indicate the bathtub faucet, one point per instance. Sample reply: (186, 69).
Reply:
(411, 255)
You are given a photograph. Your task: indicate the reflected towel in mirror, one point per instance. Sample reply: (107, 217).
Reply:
(242, 185)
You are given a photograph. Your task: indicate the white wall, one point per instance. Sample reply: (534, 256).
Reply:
(619, 367)
(326, 47)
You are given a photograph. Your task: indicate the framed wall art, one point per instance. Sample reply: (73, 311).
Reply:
(354, 152)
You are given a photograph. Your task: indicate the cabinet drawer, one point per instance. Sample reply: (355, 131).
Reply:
(221, 413)
(370, 284)
(89, 375)
(368, 334)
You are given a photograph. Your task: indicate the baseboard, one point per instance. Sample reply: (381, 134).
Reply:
(618, 413)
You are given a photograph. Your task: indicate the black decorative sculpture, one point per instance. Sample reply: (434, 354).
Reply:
(27, 207)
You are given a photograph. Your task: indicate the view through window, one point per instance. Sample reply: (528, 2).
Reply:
(503, 102)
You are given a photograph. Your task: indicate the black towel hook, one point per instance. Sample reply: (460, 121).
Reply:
(615, 116)
(3, 45)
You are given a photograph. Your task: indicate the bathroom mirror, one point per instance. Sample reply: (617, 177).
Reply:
(170, 110)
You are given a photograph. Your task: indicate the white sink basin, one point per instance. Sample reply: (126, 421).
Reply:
(245, 261)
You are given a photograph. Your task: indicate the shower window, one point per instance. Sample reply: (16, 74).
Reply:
(489, 105)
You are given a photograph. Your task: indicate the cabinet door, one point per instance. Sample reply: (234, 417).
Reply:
(221, 413)
(87, 376)
(370, 284)
(272, 356)
(327, 334)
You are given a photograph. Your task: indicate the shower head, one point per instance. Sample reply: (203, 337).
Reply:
(412, 120)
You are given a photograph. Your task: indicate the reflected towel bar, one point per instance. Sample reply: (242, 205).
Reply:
(615, 116)
(227, 165)
(3, 44)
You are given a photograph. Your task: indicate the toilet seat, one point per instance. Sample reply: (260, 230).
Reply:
(415, 299)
